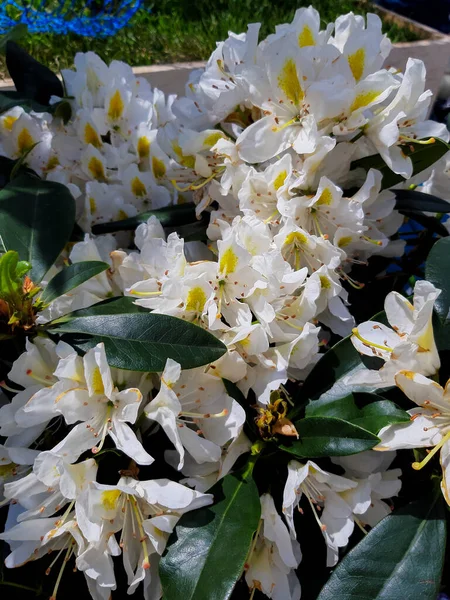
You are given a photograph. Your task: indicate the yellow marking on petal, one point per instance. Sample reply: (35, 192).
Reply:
(143, 147)
(426, 340)
(306, 37)
(109, 499)
(345, 241)
(25, 141)
(137, 187)
(326, 197)
(325, 282)
(9, 121)
(356, 62)
(289, 83)
(212, 139)
(196, 300)
(364, 99)
(159, 168)
(185, 161)
(8, 469)
(97, 382)
(295, 237)
(228, 262)
(96, 168)
(116, 106)
(245, 342)
(92, 205)
(91, 136)
(279, 180)
(52, 163)
(121, 215)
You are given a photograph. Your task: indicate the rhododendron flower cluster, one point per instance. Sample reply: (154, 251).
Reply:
(268, 150)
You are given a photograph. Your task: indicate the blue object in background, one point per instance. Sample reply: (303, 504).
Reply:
(93, 18)
(434, 13)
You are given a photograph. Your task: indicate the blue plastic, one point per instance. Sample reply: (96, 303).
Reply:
(91, 18)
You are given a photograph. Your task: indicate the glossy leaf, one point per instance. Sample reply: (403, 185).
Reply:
(10, 98)
(179, 214)
(329, 436)
(36, 220)
(376, 412)
(401, 557)
(432, 224)
(422, 156)
(326, 378)
(139, 341)
(71, 277)
(437, 271)
(31, 78)
(413, 200)
(207, 552)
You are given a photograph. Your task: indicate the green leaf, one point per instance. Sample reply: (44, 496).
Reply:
(71, 277)
(112, 306)
(36, 220)
(169, 216)
(422, 156)
(9, 99)
(432, 224)
(31, 78)
(325, 380)
(207, 552)
(437, 271)
(413, 200)
(139, 341)
(11, 272)
(401, 557)
(376, 413)
(328, 436)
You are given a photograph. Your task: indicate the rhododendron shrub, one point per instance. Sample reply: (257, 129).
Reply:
(196, 401)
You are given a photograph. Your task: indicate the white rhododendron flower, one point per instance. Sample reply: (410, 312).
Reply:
(273, 556)
(408, 343)
(243, 208)
(429, 425)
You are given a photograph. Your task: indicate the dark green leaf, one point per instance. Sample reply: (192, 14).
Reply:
(432, 224)
(140, 341)
(36, 220)
(31, 78)
(422, 156)
(207, 552)
(112, 306)
(328, 436)
(376, 412)
(170, 216)
(402, 557)
(437, 271)
(6, 168)
(62, 110)
(71, 277)
(10, 99)
(413, 200)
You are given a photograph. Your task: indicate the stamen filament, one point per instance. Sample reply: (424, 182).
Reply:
(419, 465)
(143, 538)
(63, 566)
(368, 343)
(287, 124)
(136, 293)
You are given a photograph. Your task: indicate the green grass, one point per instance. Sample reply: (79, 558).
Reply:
(181, 30)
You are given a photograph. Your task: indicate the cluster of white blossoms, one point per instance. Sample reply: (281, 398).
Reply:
(262, 143)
